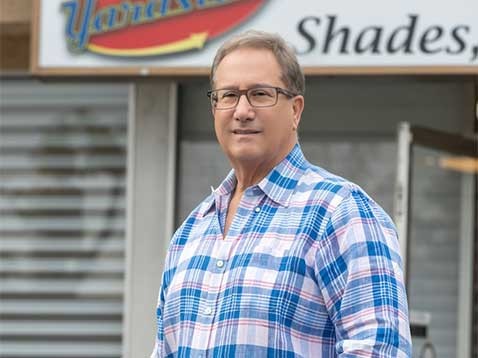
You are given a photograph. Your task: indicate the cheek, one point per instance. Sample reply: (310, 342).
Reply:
(220, 129)
(280, 127)
(217, 123)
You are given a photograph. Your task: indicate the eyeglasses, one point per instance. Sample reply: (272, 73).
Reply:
(258, 97)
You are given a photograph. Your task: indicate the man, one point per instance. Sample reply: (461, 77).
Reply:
(283, 259)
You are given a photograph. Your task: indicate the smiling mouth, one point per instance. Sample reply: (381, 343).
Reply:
(245, 131)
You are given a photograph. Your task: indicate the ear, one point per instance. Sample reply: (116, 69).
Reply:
(297, 109)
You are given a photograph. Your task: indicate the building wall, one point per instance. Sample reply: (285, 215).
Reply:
(15, 18)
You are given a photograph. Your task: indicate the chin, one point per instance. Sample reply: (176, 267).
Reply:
(245, 153)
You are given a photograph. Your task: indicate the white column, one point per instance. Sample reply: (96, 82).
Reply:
(150, 207)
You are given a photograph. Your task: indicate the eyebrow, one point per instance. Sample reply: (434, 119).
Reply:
(255, 85)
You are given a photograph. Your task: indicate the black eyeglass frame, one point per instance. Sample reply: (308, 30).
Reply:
(279, 90)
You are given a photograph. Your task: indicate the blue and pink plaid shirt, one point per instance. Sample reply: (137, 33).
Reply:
(310, 267)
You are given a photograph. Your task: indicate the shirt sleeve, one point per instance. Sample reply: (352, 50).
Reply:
(159, 348)
(175, 248)
(159, 340)
(359, 270)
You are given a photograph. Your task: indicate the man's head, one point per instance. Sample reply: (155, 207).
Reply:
(257, 86)
(291, 73)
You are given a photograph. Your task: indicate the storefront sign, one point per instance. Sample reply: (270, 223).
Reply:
(130, 37)
(150, 28)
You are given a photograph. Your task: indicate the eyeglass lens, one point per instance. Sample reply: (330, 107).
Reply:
(258, 97)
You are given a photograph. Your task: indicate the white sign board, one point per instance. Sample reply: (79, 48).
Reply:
(329, 36)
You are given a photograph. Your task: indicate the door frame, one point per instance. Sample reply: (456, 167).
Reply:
(408, 136)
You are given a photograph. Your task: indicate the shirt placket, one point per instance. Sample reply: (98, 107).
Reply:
(224, 250)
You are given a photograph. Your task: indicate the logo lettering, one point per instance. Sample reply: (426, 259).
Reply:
(87, 20)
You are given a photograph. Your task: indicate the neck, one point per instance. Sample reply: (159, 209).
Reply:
(250, 173)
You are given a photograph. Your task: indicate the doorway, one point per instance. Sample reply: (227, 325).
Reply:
(435, 213)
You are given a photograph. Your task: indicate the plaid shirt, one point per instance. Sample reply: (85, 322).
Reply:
(310, 267)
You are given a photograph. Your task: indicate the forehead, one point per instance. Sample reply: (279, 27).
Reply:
(246, 67)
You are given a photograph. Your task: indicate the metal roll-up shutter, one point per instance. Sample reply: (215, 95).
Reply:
(62, 219)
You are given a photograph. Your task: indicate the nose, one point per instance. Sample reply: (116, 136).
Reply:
(244, 110)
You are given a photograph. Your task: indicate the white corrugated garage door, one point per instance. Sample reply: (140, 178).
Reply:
(62, 219)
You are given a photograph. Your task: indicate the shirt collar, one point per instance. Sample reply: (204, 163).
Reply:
(278, 185)
(226, 187)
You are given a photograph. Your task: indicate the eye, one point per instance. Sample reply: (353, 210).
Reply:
(260, 92)
(228, 94)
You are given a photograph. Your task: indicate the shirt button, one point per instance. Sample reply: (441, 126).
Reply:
(220, 263)
(208, 311)
(257, 209)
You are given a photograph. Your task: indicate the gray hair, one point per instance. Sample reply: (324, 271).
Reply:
(291, 75)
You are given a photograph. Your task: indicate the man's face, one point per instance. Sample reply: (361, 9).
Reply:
(261, 136)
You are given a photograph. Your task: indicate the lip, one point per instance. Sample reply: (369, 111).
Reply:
(245, 131)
